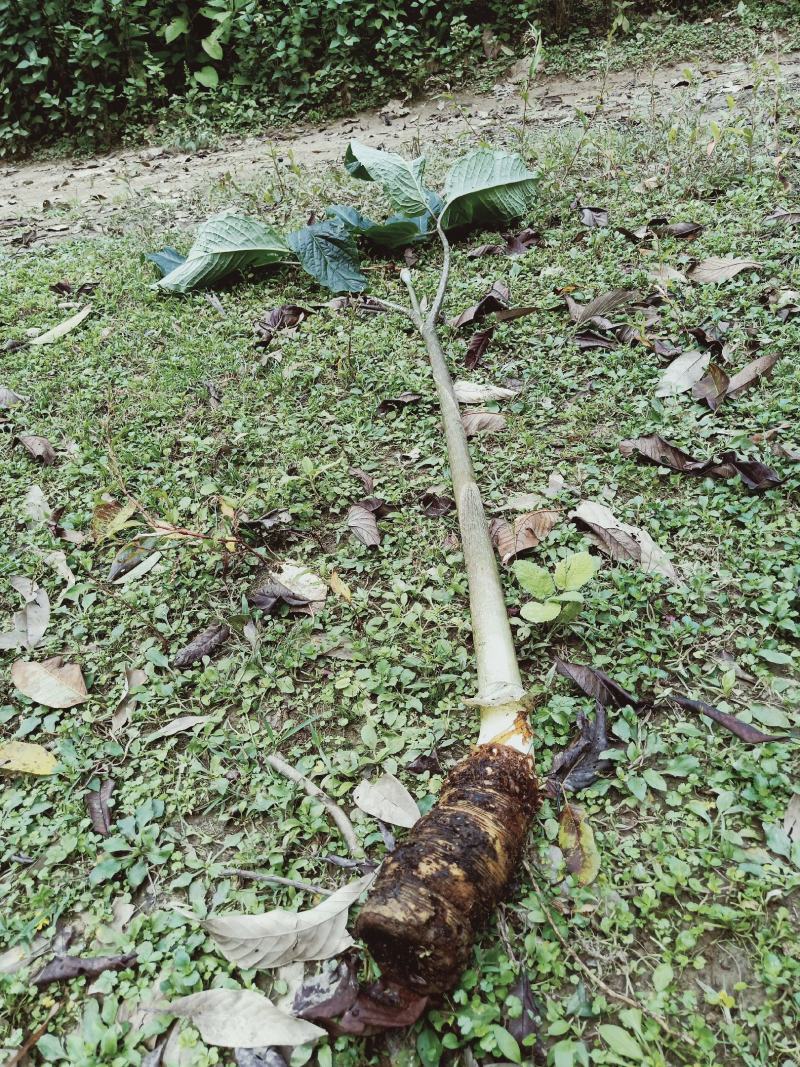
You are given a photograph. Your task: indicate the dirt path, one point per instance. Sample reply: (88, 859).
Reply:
(42, 202)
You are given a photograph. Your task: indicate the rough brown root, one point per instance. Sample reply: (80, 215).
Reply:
(432, 894)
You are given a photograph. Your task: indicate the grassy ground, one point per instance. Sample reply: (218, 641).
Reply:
(694, 879)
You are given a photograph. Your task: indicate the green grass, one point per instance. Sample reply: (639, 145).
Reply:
(689, 877)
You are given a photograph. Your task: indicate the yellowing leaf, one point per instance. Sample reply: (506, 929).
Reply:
(575, 571)
(50, 683)
(109, 518)
(340, 588)
(576, 841)
(24, 758)
(62, 328)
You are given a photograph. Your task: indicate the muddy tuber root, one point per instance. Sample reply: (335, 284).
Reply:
(433, 894)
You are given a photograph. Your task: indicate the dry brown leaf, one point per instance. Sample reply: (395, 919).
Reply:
(720, 269)
(621, 540)
(527, 531)
(241, 1018)
(482, 422)
(340, 588)
(601, 305)
(51, 683)
(750, 374)
(39, 448)
(683, 373)
(134, 678)
(387, 799)
(364, 525)
(31, 621)
(476, 393)
(63, 328)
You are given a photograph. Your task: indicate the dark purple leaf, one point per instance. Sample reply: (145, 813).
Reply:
(382, 1006)
(529, 1022)
(425, 762)
(205, 643)
(514, 244)
(662, 228)
(665, 349)
(713, 387)
(97, 806)
(394, 402)
(593, 217)
(476, 348)
(286, 317)
(364, 526)
(64, 968)
(580, 765)
(755, 475)
(494, 300)
(434, 504)
(366, 479)
(743, 730)
(597, 684)
(271, 593)
(601, 305)
(592, 339)
(39, 448)
(330, 993)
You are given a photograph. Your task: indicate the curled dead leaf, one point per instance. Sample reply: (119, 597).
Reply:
(39, 448)
(52, 683)
(482, 422)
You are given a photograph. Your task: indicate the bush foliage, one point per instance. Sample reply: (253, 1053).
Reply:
(95, 64)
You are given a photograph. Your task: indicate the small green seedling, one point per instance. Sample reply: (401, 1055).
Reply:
(558, 596)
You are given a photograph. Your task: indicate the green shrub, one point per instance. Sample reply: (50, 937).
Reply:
(95, 65)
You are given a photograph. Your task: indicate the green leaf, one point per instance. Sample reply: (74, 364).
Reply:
(654, 779)
(208, 77)
(166, 260)
(575, 571)
(662, 977)
(571, 604)
(487, 187)
(401, 178)
(778, 841)
(212, 47)
(533, 611)
(534, 579)
(771, 655)
(398, 231)
(226, 243)
(104, 870)
(175, 28)
(620, 1041)
(638, 786)
(507, 1044)
(328, 252)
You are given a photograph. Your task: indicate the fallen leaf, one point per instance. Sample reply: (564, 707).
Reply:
(329, 993)
(663, 274)
(241, 1018)
(494, 300)
(654, 449)
(179, 725)
(58, 561)
(683, 373)
(31, 621)
(601, 305)
(340, 588)
(203, 644)
(476, 347)
(387, 799)
(530, 1022)
(596, 684)
(109, 517)
(97, 806)
(286, 317)
(278, 937)
(586, 339)
(256, 1057)
(482, 422)
(476, 393)
(293, 585)
(8, 398)
(65, 968)
(275, 519)
(391, 403)
(527, 531)
(791, 820)
(622, 541)
(750, 374)
(435, 504)
(593, 217)
(713, 388)
(63, 328)
(582, 764)
(22, 757)
(39, 448)
(366, 479)
(744, 731)
(364, 525)
(134, 678)
(576, 841)
(134, 560)
(780, 217)
(720, 269)
(49, 683)
(662, 228)
(514, 244)
(382, 1005)
(425, 762)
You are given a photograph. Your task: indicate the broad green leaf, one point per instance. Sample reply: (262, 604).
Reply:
(571, 605)
(654, 779)
(620, 1041)
(208, 77)
(211, 46)
(488, 187)
(397, 232)
(536, 612)
(400, 178)
(226, 243)
(166, 260)
(507, 1044)
(328, 252)
(575, 571)
(662, 977)
(576, 841)
(534, 579)
(637, 785)
(175, 28)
